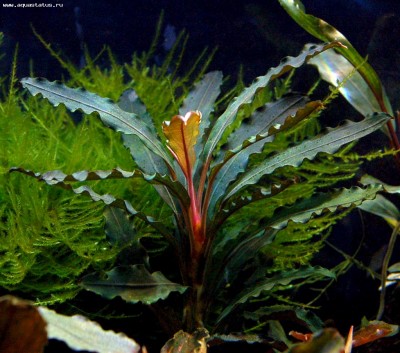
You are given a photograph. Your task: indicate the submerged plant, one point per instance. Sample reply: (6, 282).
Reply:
(225, 204)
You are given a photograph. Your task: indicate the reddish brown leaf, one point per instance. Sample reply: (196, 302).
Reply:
(181, 133)
(22, 329)
(374, 331)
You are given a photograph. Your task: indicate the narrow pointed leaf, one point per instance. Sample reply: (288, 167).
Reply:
(110, 113)
(267, 284)
(81, 334)
(146, 159)
(133, 284)
(247, 96)
(382, 207)
(181, 133)
(368, 179)
(235, 162)
(335, 68)
(272, 114)
(202, 98)
(304, 210)
(325, 32)
(57, 177)
(328, 143)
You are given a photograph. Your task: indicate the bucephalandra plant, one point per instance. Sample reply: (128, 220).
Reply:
(220, 219)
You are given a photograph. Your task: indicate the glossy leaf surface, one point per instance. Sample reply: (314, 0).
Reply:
(109, 112)
(181, 133)
(133, 284)
(328, 143)
(247, 96)
(81, 334)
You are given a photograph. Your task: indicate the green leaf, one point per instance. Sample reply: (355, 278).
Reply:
(247, 96)
(88, 102)
(267, 284)
(260, 122)
(202, 98)
(235, 162)
(304, 210)
(119, 229)
(328, 143)
(133, 284)
(368, 179)
(382, 207)
(146, 160)
(81, 334)
(325, 32)
(57, 177)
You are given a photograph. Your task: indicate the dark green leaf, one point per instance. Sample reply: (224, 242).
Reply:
(110, 113)
(247, 96)
(235, 162)
(267, 284)
(133, 284)
(294, 156)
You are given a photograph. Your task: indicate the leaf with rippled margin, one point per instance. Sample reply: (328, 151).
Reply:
(235, 161)
(248, 95)
(109, 112)
(134, 284)
(266, 284)
(60, 179)
(181, 133)
(202, 97)
(81, 334)
(294, 156)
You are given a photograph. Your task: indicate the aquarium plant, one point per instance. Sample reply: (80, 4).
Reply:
(224, 202)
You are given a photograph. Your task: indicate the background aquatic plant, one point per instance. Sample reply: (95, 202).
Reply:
(224, 206)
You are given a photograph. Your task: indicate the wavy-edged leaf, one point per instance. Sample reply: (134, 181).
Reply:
(267, 284)
(236, 161)
(81, 334)
(247, 96)
(134, 284)
(57, 177)
(304, 210)
(147, 160)
(119, 229)
(325, 32)
(271, 114)
(202, 98)
(181, 133)
(109, 112)
(328, 143)
(368, 179)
